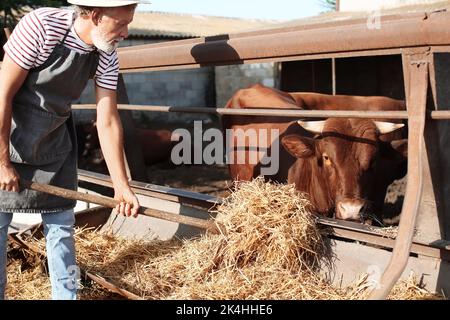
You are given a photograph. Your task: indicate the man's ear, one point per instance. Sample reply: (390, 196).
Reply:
(96, 15)
(299, 147)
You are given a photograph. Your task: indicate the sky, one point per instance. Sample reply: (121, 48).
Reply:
(250, 9)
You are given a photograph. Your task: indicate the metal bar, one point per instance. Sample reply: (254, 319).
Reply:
(360, 232)
(333, 74)
(435, 115)
(111, 203)
(440, 115)
(416, 102)
(389, 243)
(171, 194)
(402, 33)
(264, 112)
(440, 49)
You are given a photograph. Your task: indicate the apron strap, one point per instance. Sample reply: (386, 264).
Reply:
(68, 30)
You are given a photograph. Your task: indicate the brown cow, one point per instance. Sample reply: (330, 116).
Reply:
(156, 146)
(345, 165)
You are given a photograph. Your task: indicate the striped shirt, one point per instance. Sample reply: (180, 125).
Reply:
(39, 31)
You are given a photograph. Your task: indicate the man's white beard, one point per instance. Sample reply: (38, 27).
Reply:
(101, 43)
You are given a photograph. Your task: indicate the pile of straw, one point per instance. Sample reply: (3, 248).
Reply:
(27, 283)
(272, 249)
(271, 245)
(31, 282)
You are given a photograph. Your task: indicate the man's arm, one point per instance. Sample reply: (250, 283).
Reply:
(11, 79)
(110, 134)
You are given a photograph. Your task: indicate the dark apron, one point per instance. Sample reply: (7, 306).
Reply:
(43, 139)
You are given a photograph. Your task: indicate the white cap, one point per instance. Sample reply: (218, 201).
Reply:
(105, 3)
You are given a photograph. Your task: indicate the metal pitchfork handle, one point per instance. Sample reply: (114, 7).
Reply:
(111, 203)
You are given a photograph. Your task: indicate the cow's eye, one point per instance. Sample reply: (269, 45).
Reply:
(326, 159)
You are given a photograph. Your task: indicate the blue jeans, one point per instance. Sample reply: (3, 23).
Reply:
(60, 245)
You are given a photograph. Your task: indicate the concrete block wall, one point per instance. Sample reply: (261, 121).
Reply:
(178, 88)
(229, 79)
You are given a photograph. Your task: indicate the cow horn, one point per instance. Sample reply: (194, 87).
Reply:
(312, 126)
(388, 127)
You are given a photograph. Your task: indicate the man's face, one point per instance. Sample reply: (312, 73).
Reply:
(112, 27)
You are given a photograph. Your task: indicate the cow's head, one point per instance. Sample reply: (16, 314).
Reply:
(346, 153)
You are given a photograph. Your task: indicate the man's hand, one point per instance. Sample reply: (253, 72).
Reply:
(129, 204)
(9, 178)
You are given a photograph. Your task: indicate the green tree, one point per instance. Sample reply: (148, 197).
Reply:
(330, 5)
(12, 10)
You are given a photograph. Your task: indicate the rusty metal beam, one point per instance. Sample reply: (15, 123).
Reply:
(426, 30)
(306, 26)
(417, 67)
(365, 53)
(300, 57)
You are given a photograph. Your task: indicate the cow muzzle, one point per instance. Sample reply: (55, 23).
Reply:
(349, 209)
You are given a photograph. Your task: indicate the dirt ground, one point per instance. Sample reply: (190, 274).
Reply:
(208, 179)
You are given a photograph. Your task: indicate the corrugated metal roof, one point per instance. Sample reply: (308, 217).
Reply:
(170, 25)
(358, 5)
(161, 24)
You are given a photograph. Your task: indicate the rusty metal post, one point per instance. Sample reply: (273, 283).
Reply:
(437, 135)
(417, 67)
(433, 205)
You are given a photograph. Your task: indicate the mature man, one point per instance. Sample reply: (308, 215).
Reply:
(49, 58)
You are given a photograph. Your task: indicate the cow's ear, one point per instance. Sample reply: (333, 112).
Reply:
(299, 147)
(401, 146)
